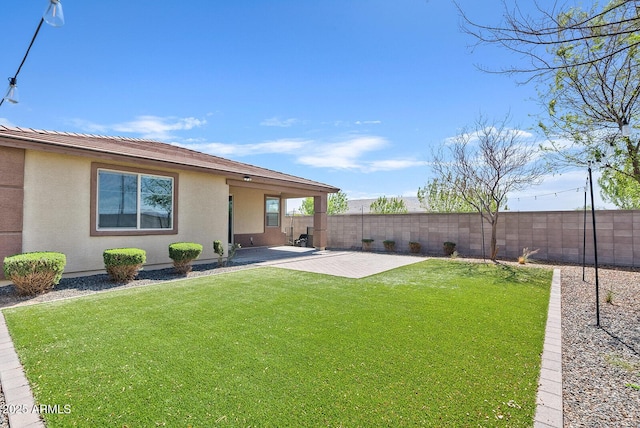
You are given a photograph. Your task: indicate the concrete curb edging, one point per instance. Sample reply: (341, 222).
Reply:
(549, 399)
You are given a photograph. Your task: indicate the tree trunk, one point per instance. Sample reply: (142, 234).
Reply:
(494, 237)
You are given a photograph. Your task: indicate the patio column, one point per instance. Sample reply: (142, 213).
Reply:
(320, 221)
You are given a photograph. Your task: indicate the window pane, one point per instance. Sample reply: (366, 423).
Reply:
(273, 212)
(156, 200)
(117, 200)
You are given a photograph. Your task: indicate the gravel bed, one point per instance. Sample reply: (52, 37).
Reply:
(601, 365)
(80, 286)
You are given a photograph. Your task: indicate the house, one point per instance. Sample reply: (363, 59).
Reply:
(81, 194)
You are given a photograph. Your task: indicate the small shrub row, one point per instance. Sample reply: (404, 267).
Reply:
(123, 264)
(38, 272)
(34, 273)
(414, 247)
(182, 254)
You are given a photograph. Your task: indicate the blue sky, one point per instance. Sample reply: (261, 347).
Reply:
(353, 93)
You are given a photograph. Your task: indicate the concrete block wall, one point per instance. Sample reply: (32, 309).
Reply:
(564, 236)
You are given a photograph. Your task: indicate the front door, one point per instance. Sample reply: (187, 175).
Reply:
(230, 241)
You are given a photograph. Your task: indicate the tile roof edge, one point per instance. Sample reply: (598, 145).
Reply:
(285, 176)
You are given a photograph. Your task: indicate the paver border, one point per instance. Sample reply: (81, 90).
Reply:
(549, 412)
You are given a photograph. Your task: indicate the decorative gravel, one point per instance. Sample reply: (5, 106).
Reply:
(80, 286)
(601, 365)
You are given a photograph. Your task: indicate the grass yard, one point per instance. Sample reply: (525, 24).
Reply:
(437, 343)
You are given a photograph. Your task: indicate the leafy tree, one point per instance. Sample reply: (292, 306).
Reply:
(384, 205)
(620, 189)
(533, 37)
(590, 61)
(337, 203)
(485, 163)
(441, 196)
(593, 97)
(307, 207)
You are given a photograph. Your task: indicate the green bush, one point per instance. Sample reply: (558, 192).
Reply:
(389, 244)
(414, 247)
(182, 253)
(34, 273)
(219, 250)
(449, 248)
(123, 264)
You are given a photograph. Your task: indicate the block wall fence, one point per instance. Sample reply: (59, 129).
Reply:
(559, 235)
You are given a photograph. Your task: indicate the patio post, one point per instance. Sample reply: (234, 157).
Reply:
(320, 221)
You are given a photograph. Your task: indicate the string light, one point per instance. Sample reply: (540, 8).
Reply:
(53, 16)
(535, 197)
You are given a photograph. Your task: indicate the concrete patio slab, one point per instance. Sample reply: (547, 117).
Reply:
(348, 264)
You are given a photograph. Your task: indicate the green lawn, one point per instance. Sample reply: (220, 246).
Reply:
(437, 343)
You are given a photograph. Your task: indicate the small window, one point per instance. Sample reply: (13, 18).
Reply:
(272, 212)
(133, 202)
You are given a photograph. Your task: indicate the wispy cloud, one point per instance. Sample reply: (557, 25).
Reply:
(281, 123)
(347, 153)
(151, 127)
(6, 122)
(348, 124)
(474, 137)
(240, 150)
(395, 164)
(344, 154)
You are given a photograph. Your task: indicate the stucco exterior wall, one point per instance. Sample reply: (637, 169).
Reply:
(249, 218)
(57, 213)
(248, 210)
(11, 195)
(558, 235)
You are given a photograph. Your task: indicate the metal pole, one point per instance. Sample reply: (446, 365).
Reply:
(595, 249)
(584, 234)
(362, 225)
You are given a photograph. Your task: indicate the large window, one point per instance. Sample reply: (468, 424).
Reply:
(272, 212)
(133, 201)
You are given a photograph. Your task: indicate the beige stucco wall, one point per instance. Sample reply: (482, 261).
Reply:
(248, 210)
(57, 213)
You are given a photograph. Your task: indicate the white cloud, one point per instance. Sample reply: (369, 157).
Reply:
(368, 122)
(6, 122)
(151, 127)
(239, 150)
(281, 123)
(395, 164)
(347, 154)
(474, 137)
(344, 154)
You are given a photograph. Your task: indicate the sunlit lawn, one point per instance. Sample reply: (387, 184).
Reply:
(437, 343)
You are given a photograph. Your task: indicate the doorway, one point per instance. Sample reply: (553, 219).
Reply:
(230, 237)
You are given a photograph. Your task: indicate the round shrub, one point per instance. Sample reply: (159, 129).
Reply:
(123, 264)
(182, 253)
(34, 273)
